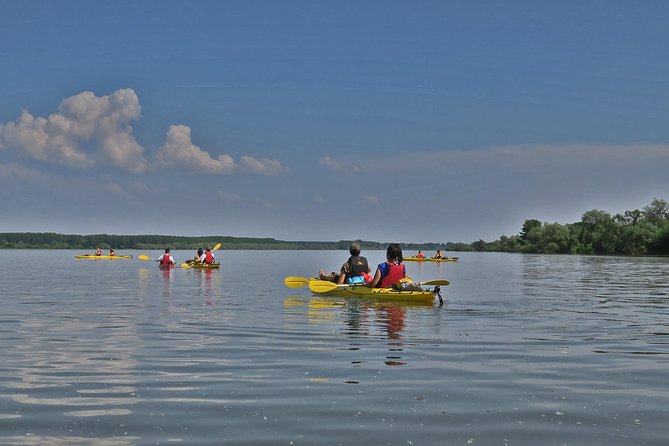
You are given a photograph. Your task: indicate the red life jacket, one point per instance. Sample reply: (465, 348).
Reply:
(165, 260)
(208, 257)
(395, 273)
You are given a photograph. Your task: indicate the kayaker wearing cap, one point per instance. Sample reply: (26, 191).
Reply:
(391, 271)
(355, 266)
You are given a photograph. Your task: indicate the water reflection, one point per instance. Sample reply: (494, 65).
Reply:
(359, 319)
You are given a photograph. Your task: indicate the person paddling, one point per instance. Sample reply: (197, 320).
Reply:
(166, 260)
(208, 257)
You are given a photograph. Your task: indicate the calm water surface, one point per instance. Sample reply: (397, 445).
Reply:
(526, 350)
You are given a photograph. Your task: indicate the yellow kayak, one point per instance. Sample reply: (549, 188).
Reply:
(94, 257)
(361, 291)
(198, 265)
(430, 259)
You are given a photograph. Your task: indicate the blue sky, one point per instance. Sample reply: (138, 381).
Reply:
(304, 120)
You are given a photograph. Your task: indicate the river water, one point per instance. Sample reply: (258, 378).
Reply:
(526, 350)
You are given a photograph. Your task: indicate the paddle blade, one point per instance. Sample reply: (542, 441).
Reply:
(218, 245)
(436, 282)
(295, 282)
(185, 265)
(322, 286)
(143, 257)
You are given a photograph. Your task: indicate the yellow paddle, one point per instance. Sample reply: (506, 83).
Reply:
(322, 286)
(435, 282)
(144, 257)
(295, 282)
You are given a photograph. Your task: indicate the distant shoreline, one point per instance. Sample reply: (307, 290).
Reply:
(51, 240)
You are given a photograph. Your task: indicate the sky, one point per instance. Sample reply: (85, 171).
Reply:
(391, 121)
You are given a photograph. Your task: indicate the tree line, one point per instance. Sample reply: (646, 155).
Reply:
(636, 232)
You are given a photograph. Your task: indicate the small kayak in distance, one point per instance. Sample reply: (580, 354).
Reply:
(201, 265)
(429, 259)
(94, 257)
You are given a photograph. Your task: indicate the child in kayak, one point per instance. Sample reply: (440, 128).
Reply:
(355, 266)
(391, 272)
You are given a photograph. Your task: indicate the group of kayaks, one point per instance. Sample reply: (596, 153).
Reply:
(188, 264)
(422, 292)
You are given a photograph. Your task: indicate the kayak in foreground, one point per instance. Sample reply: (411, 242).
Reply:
(94, 257)
(419, 294)
(429, 259)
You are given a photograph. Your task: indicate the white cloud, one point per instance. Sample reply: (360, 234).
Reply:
(179, 152)
(370, 199)
(264, 166)
(85, 131)
(89, 131)
(337, 165)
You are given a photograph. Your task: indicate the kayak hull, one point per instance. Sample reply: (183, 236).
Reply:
(361, 291)
(204, 265)
(94, 257)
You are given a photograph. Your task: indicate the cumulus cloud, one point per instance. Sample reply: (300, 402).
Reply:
(86, 131)
(180, 152)
(89, 131)
(264, 166)
(337, 165)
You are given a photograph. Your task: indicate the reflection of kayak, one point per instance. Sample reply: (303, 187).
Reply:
(429, 259)
(94, 257)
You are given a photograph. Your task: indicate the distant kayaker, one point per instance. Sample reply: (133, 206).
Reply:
(98, 251)
(112, 253)
(438, 255)
(391, 271)
(420, 255)
(355, 266)
(207, 257)
(166, 259)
